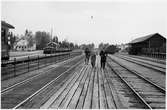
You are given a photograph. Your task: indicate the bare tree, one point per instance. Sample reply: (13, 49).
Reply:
(55, 39)
(42, 39)
(30, 38)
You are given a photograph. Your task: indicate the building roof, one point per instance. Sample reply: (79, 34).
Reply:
(3, 23)
(22, 42)
(141, 39)
(54, 43)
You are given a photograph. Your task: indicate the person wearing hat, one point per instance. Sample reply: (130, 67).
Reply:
(93, 59)
(87, 55)
(103, 56)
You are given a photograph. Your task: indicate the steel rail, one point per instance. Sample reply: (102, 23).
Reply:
(141, 76)
(134, 91)
(153, 60)
(137, 62)
(27, 80)
(22, 68)
(145, 58)
(47, 85)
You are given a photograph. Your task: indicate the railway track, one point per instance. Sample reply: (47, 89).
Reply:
(123, 96)
(22, 68)
(15, 96)
(6, 88)
(148, 59)
(149, 73)
(150, 94)
(161, 68)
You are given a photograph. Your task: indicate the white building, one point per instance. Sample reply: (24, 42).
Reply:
(22, 45)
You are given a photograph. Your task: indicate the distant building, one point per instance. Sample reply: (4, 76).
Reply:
(53, 44)
(5, 39)
(150, 43)
(22, 45)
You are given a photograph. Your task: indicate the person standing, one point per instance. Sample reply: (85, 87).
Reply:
(103, 56)
(87, 55)
(93, 59)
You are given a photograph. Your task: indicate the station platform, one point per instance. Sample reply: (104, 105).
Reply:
(87, 88)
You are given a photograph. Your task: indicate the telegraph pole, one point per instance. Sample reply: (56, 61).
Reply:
(51, 34)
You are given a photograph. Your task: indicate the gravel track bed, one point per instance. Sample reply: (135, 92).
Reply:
(153, 96)
(155, 76)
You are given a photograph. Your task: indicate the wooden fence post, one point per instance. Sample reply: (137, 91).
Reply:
(38, 62)
(55, 58)
(58, 58)
(51, 57)
(14, 66)
(45, 59)
(28, 63)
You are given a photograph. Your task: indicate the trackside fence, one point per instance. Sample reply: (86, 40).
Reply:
(17, 67)
(156, 55)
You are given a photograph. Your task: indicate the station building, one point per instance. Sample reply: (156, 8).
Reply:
(153, 43)
(5, 39)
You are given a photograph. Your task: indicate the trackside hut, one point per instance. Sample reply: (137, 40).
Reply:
(148, 44)
(53, 44)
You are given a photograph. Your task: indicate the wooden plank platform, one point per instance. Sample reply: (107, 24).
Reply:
(87, 88)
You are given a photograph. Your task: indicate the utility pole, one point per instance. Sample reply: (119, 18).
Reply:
(51, 34)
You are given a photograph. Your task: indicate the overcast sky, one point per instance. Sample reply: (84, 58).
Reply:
(113, 22)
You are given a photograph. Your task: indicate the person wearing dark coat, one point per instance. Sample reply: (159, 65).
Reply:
(87, 55)
(103, 56)
(93, 59)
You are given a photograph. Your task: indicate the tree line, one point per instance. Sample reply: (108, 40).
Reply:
(41, 39)
(109, 48)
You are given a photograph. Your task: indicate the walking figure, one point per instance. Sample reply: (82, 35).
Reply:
(103, 56)
(93, 59)
(87, 55)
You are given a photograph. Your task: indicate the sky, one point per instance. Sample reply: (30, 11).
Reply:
(112, 22)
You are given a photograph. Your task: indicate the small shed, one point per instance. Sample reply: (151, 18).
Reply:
(152, 43)
(53, 44)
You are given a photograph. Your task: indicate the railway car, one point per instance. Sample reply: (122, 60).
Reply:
(111, 49)
(53, 47)
(51, 50)
(4, 40)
